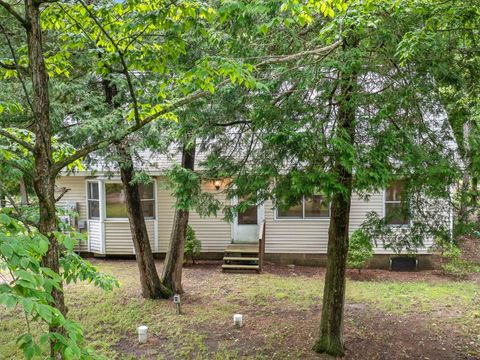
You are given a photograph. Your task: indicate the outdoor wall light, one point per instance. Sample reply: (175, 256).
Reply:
(217, 184)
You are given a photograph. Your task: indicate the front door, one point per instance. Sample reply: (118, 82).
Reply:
(245, 225)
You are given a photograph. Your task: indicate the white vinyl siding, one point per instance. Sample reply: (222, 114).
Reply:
(310, 235)
(95, 236)
(213, 232)
(282, 236)
(118, 238)
(76, 194)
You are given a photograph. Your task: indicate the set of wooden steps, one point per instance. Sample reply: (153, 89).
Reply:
(241, 258)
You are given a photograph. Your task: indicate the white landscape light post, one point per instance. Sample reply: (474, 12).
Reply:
(176, 301)
(142, 334)
(238, 320)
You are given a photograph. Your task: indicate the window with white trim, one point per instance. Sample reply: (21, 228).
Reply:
(397, 212)
(93, 199)
(311, 207)
(115, 205)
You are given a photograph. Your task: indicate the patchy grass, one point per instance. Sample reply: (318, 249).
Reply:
(415, 317)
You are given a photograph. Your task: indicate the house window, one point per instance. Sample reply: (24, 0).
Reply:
(397, 211)
(312, 207)
(316, 207)
(115, 203)
(249, 216)
(93, 199)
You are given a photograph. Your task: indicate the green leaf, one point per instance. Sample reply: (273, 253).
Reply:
(27, 305)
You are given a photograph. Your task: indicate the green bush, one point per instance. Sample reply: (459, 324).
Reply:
(360, 250)
(454, 264)
(193, 246)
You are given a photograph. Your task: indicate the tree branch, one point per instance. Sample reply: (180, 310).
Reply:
(292, 57)
(7, 66)
(177, 104)
(121, 54)
(119, 136)
(21, 142)
(15, 14)
(64, 191)
(12, 67)
(17, 67)
(232, 123)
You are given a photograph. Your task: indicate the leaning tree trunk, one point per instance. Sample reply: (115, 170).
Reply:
(330, 340)
(172, 269)
(44, 174)
(152, 288)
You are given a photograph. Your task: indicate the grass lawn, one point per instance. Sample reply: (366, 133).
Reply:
(389, 316)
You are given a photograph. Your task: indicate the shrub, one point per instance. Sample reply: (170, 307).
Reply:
(360, 250)
(454, 265)
(193, 246)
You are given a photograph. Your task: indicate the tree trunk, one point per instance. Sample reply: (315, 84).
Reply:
(3, 198)
(152, 288)
(172, 269)
(475, 196)
(44, 175)
(465, 199)
(23, 192)
(330, 340)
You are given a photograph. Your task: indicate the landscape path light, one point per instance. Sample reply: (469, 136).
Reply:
(142, 334)
(176, 301)
(238, 320)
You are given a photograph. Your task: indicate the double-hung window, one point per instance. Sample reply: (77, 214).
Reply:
(93, 199)
(397, 212)
(311, 207)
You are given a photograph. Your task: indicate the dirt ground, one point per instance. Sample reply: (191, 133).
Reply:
(370, 333)
(388, 315)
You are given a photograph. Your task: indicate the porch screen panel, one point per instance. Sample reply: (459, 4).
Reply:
(115, 201)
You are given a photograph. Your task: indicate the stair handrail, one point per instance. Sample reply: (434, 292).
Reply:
(261, 245)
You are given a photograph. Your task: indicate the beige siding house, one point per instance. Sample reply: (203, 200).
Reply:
(297, 235)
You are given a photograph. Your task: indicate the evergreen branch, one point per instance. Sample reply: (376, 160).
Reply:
(20, 77)
(21, 168)
(121, 55)
(15, 14)
(179, 103)
(117, 137)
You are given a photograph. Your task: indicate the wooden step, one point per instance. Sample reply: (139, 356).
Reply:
(238, 258)
(240, 267)
(246, 249)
